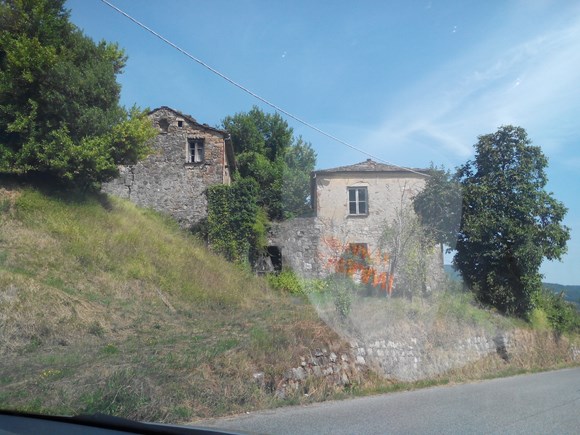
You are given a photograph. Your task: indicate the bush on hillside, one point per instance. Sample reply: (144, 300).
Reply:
(561, 315)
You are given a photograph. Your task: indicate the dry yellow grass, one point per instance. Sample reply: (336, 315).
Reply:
(105, 307)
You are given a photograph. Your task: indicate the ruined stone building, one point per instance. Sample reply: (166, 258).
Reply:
(187, 158)
(351, 205)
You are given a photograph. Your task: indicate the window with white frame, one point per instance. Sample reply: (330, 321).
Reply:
(195, 151)
(358, 201)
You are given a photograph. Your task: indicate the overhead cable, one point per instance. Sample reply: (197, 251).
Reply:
(253, 94)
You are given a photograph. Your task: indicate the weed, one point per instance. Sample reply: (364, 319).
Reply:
(120, 394)
(224, 344)
(5, 205)
(286, 281)
(96, 329)
(342, 290)
(110, 349)
(261, 339)
(182, 413)
(539, 320)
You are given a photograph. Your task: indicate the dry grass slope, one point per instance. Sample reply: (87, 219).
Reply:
(105, 307)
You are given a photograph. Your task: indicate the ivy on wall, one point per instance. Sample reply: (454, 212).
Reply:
(236, 225)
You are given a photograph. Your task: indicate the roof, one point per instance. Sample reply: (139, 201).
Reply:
(369, 166)
(191, 119)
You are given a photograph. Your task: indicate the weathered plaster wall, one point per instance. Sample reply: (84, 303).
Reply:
(309, 245)
(387, 192)
(164, 181)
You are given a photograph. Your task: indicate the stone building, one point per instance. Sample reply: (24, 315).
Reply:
(187, 158)
(352, 206)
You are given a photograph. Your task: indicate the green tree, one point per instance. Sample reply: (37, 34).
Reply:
(59, 98)
(509, 223)
(409, 250)
(300, 160)
(267, 152)
(439, 207)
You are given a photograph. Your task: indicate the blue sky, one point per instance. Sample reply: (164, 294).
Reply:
(410, 82)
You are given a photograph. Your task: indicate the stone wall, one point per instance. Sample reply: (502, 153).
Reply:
(164, 181)
(338, 369)
(410, 361)
(415, 360)
(304, 245)
(298, 241)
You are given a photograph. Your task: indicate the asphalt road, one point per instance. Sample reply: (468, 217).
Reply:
(543, 403)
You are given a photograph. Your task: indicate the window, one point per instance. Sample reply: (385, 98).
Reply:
(195, 151)
(180, 123)
(357, 201)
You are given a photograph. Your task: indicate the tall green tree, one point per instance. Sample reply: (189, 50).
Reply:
(439, 206)
(267, 151)
(300, 160)
(59, 98)
(509, 222)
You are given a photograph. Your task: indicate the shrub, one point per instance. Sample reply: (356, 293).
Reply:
(561, 315)
(539, 319)
(342, 289)
(286, 281)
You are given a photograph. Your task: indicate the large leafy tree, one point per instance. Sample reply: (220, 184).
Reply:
(59, 98)
(267, 151)
(509, 222)
(439, 206)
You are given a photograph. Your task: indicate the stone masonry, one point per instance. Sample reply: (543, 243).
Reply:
(168, 180)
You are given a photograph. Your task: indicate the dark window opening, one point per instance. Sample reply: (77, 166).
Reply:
(276, 257)
(180, 123)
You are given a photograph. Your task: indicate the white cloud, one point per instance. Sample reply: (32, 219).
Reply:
(533, 83)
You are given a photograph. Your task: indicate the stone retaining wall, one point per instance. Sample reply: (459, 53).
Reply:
(413, 361)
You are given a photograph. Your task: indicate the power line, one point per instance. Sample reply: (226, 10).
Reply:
(253, 94)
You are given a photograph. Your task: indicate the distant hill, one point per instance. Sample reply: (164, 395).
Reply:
(571, 292)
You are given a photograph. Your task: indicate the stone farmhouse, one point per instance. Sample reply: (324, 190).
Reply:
(351, 206)
(187, 158)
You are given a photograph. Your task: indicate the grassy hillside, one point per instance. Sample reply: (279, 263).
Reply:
(105, 307)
